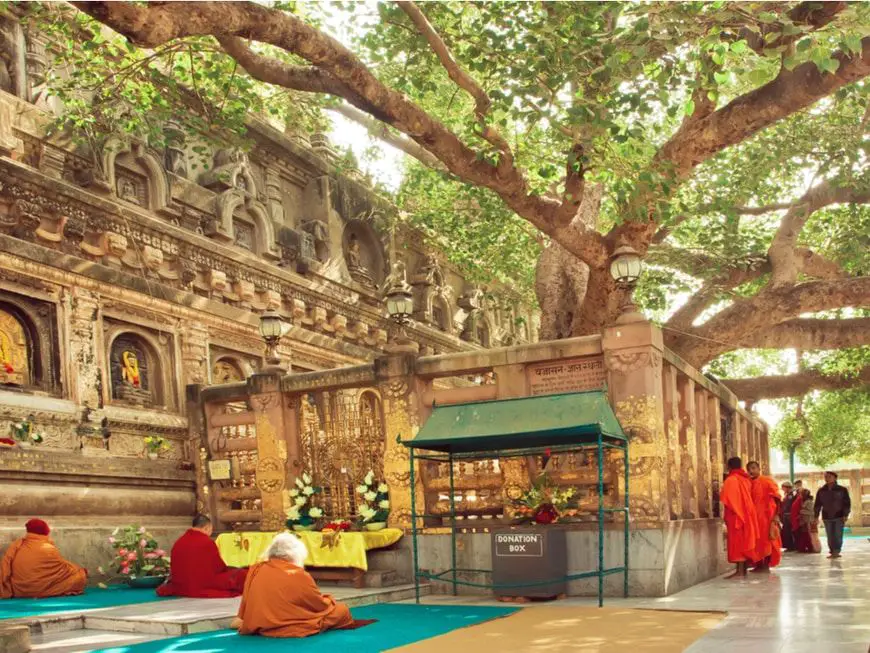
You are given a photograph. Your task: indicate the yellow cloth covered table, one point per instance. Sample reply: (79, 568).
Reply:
(245, 548)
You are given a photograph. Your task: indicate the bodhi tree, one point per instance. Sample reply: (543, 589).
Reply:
(725, 142)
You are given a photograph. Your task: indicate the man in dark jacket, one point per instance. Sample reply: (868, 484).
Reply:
(833, 502)
(788, 497)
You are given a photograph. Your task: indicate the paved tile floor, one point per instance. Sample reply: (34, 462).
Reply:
(808, 604)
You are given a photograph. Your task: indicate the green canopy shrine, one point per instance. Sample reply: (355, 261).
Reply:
(510, 428)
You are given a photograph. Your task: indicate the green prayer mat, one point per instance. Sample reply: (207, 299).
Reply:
(94, 598)
(397, 625)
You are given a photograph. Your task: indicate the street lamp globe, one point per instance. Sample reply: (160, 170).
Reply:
(271, 324)
(625, 266)
(400, 303)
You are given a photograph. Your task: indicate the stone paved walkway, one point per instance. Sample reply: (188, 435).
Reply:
(808, 604)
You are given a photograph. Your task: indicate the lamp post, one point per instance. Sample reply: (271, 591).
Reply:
(272, 329)
(400, 306)
(625, 268)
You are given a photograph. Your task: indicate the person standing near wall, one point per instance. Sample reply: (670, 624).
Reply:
(788, 536)
(834, 504)
(740, 517)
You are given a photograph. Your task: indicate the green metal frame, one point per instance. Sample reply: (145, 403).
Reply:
(602, 442)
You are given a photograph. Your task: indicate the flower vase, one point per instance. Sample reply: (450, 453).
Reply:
(376, 526)
(152, 455)
(146, 582)
(299, 528)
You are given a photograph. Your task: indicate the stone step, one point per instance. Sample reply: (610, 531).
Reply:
(185, 616)
(81, 641)
(14, 639)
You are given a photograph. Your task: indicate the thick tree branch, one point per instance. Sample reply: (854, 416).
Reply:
(310, 79)
(783, 256)
(813, 15)
(380, 130)
(459, 76)
(699, 138)
(745, 318)
(812, 333)
(754, 389)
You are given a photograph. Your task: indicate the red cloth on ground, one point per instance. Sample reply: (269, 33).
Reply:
(795, 513)
(804, 540)
(37, 526)
(740, 516)
(766, 497)
(197, 570)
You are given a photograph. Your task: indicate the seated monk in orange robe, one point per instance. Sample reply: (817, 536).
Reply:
(740, 517)
(33, 568)
(281, 599)
(196, 568)
(766, 497)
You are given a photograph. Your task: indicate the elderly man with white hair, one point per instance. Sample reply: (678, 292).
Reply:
(281, 599)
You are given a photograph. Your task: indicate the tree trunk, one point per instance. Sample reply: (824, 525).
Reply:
(575, 300)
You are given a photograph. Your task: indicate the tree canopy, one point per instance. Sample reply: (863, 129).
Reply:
(726, 142)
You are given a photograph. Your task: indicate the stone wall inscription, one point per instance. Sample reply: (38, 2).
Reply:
(570, 375)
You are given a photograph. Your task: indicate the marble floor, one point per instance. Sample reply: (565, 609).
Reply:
(808, 604)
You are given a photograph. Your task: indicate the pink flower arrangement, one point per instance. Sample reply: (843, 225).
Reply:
(137, 554)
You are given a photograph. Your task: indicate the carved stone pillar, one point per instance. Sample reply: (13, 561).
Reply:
(400, 396)
(633, 357)
(273, 195)
(84, 374)
(672, 437)
(194, 354)
(266, 401)
(688, 446)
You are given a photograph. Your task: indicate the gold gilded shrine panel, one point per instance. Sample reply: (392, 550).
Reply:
(342, 438)
(14, 355)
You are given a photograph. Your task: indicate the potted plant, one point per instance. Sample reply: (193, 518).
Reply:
(24, 433)
(138, 558)
(544, 503)
(154, 446)
(303, 514)
(374, 504)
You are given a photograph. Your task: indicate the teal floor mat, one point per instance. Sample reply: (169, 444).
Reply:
(93, 598)
(398, 625)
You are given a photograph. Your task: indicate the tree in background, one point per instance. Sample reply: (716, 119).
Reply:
(726, 142)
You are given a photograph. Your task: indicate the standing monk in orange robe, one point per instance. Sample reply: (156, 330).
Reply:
(281, 599)
(766, 497)
(196, 568)
(33, 568)
(740, 517)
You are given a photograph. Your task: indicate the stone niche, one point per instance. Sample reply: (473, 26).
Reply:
(141, 365)
(28, 344)
(363, 254)
(230, 366)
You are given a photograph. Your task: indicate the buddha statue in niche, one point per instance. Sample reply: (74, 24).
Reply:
(358, 271)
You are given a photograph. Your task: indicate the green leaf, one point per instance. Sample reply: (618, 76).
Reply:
(689, 107)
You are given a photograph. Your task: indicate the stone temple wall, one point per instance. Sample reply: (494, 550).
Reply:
(129, 274)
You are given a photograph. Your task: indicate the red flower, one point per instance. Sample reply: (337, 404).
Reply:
(546, 514)
(9, 369)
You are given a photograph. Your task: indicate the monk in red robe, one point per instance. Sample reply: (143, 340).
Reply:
(740, 517)
(766, 498)
(196, 568)
(281, 599)
(33, 568)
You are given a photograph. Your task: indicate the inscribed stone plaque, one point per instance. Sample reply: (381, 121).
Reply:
(219, 470)
(571, 375)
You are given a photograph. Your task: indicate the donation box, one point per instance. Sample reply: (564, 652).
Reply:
(529, 555)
